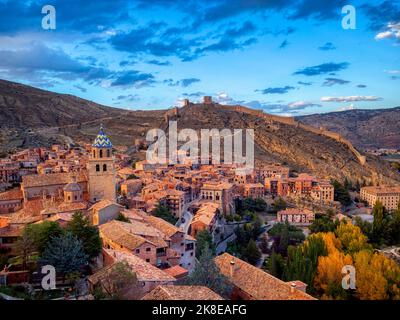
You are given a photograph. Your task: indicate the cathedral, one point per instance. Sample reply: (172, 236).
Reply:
(96, 183)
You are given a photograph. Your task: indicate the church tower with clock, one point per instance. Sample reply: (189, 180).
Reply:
(101, 169)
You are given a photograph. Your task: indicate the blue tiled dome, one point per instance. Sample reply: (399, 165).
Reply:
(102, 140)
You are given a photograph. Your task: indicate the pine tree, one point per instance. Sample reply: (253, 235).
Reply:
(65, 253)
(204, 240)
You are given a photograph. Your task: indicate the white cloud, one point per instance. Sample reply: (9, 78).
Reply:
(350, 99)
(384, 35)
(393, 31)
(301, 105)
(393, 71)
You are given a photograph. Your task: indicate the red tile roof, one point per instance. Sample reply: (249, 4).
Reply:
(255, 282)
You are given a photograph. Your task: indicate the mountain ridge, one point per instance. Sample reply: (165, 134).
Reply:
(365, 128)
(63, 118)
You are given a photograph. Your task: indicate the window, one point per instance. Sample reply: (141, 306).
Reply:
(76, 198)
(94, 153)
(147, 260)
(108, 153)
(104, 167)
(101, 153)
(137, 250)
(97, 167)
(69, 198)
(148, 249)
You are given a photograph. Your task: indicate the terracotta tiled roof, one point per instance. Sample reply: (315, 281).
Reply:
(65, 207)
(177, 271)
(103, 204)
(11, 231)
(146, 231)
(162, 225)
(144, 270)
(116, 233)
(171, 292)
(32, 207)
(256, 282)
(381, 189)
(206, 213)
(14, 194)
(39, 180)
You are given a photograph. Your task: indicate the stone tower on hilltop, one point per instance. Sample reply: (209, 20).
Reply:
(101, 169)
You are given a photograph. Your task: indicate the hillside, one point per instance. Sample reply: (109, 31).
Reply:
(364, 128)
(32, 117)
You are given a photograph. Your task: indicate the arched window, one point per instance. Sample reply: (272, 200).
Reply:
(108, 153)
(104, 167)
(94, 153)
(97, 167)
(101, 153)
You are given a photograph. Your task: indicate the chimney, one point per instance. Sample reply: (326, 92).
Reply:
(292, 287)
(232, 268)
(186, 102)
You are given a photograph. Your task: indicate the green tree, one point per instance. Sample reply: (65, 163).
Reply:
(65, 253)
(251, 253)
(294, 233)
(302, 261)
(322, 224)
(256, 228)
(341, 194)
(395, 226)
(80, 227)
(41, 234)
(276, 264)
(279, 204)
(204, 241)
(206, 273)
(264, 243)
(378, 212)
(164, 213)
(284, 240)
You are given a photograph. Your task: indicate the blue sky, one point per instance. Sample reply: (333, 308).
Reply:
(286, 57)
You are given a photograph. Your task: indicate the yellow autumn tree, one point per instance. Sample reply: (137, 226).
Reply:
(328, 280)
(352, 238)
(377, 277)
(332, 243)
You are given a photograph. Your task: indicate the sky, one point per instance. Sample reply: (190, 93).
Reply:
(285, 57)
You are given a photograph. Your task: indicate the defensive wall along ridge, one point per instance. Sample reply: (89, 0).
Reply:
(285, 120)
(291, 121)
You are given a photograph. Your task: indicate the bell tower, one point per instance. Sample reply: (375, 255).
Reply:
(101, 169)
